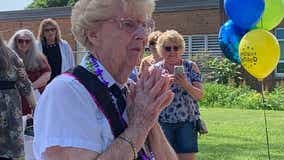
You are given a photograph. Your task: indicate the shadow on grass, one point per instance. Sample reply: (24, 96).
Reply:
(236, 148)
(234, 152)
(231, 137)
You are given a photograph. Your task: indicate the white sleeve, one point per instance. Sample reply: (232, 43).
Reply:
(39, 46)
(64, 117)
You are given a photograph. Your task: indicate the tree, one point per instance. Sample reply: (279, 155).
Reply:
(51, 3)
(72, 2)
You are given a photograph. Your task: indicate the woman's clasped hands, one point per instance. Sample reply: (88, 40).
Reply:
(148, 97)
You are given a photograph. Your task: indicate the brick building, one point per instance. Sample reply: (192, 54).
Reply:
(199, 22)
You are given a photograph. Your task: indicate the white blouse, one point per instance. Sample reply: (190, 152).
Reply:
(66, 54)
(67, 116)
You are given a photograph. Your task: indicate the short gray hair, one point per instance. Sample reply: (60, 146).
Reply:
(86, 13)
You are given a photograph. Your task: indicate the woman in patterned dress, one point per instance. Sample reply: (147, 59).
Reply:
(13, 83)
(178, 120)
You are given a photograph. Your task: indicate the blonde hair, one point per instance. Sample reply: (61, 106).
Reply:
(33, 59)
(154, 36)
(170, 36)
(86, 14)
(43, 24)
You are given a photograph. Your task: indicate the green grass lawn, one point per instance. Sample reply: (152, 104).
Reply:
(236, 134)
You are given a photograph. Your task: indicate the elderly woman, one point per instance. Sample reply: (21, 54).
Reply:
(154, 57)
(82, 114)
(58, 52)
(36, 65)
(13, 83)
(178, 120)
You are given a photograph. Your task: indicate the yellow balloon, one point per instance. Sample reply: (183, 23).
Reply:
(259, 53)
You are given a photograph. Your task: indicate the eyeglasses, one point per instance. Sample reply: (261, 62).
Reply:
(129, 25)
(152, 43)
(173, 48)
(22, 41)
(49, 29)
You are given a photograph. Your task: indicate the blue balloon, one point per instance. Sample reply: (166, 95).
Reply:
(229, 39)
(244, 13)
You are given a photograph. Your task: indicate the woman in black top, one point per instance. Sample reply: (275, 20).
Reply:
(58, 52)
(52, 52)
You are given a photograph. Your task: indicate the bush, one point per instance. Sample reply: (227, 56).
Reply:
(275, 99)
(224, 72)
(218, 69)
(226, 96)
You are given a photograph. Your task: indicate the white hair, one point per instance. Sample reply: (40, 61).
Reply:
(86, 13)
(33, 59)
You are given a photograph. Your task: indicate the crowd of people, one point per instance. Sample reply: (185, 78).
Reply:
(26, 69)
(94, 110)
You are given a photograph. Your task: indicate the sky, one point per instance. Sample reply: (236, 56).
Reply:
(10, 5)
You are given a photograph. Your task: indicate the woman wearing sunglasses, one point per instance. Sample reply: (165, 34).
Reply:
(38, 71)
(146, 62)
(36, 65)
(58, 52)
(13, 83)
(178, 120)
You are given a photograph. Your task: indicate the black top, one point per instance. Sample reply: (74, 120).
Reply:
(53, 55)
(7, 85)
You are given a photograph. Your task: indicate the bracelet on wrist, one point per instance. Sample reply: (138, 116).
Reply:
(130, 143)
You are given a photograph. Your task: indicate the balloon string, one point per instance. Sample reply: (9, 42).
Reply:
(265, 119)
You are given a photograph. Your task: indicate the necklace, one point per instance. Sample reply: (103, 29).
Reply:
(93, 66)
(51, 45)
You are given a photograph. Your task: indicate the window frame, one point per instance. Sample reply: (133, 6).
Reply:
(280, 75)
(189, 44)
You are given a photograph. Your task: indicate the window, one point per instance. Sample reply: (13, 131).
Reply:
(187, 43)
(279, 72)
(195, 44)
(213, 44)
(187, 46)
(198, 44)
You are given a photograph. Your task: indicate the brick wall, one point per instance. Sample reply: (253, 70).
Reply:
(281, 24)
(189, 22)
(198, 21)
(8, 28)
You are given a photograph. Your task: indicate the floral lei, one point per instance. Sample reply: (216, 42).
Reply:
(93, 66)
